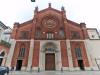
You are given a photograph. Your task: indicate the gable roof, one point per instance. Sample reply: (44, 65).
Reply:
(49, 8)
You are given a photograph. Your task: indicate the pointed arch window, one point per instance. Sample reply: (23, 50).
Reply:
(38, 33)
(61, 32)
(24, 34)
(78, 53)
(75, 35)
(22, 52)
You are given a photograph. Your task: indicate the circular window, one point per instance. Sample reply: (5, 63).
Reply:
(50, 23)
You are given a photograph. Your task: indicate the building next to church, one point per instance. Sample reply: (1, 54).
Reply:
(50, 41)
(5, 33)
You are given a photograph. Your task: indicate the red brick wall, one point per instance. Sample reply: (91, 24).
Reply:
(64, 55)
(35, 61)
(83, 51)
(16, 53)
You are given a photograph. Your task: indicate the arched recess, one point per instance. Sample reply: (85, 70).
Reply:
(2, 55)
(20, 57)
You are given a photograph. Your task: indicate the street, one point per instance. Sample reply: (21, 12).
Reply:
(56, 73)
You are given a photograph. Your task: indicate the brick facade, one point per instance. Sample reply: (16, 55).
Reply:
(64, 55)
(40, 29)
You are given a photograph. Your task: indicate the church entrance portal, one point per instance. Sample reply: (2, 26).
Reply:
(49, 61)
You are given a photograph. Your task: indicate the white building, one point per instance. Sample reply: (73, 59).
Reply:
(5, 32)
(93, 47)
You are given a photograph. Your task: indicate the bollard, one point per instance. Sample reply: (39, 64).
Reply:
(61, 69)
(38, 69)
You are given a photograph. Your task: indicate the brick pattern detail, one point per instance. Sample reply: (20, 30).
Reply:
(83, 51)
(35, 61)
(16, 53)
(64, 55)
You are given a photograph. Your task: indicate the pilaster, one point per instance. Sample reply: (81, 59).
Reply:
(88, 55)
(10, 54)
(69, 55)
(29, 67)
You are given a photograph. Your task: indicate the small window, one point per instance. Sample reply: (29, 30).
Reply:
(38, 34)
(75, 35)
(78, 53)
(22, 52)
(61, 33)
(24, 34)
(93, 36)
(50, 36)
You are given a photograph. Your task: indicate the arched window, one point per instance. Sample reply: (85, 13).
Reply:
(75, 35)
(78, 53)
(22, 52)
(38, 32)
(24, 35)
(61, 33)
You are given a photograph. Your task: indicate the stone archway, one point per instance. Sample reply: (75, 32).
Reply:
(50, 50)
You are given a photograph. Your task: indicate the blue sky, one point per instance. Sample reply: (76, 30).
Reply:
(87, 11)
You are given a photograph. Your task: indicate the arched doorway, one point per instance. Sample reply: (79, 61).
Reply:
(1, 57)
(50, 49)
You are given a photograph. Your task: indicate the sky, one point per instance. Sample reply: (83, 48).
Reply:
(87, 11)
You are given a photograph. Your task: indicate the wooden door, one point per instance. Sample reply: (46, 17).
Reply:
(50, 61)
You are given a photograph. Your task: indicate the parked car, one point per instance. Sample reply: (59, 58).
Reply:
(4, 70)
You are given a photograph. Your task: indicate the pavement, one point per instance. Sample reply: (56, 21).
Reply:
(55, 73)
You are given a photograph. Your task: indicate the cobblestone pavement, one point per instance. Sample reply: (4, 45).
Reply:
(56, 73)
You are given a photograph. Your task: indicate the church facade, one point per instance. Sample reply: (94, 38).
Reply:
(48, 42)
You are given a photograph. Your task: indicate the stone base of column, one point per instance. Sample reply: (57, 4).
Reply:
(29, 69)
(64, 69)
(71, 69)
(35, 69)
(23, 68)
(76, 68)
(95, 68)
(88, 68)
